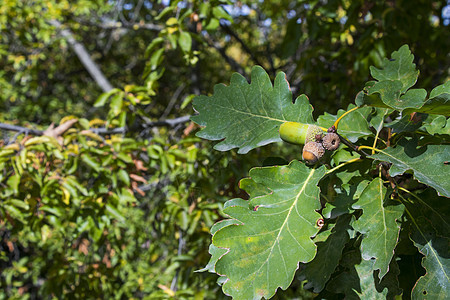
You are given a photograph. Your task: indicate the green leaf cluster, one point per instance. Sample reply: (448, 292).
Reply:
(348, 225)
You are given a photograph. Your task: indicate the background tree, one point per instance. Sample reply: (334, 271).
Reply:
(119, 203)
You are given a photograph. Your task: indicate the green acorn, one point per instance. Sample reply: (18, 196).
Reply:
(299, 133)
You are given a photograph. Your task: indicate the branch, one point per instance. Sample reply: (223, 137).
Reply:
(168, 122)
(84, 57)
(21, 129)
(102, 131)
(119, 25)
(228, 30)
(234, 64)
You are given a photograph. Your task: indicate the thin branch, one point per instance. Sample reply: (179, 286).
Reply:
(84, 57)
(173, 100)
(119, 25)
(234, 64)
(181, 242)
(168, 122)
(21, 129)
(228, 30)
(352, 146)
(102, 130)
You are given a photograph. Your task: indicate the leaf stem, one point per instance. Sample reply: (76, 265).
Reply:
(344, 164)
(376, 139)
(343, 115)
(370, 148)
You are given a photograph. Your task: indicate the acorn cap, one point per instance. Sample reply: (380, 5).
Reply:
(312, 152)
(331, 141)
(313, 133)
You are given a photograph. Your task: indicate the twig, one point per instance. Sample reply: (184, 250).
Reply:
(173, 285)
(102, 130)
(234, 64)
(84, 57)
(228, 30)
(352, 146)
(173, 100)
(21, 129)
(168, 122)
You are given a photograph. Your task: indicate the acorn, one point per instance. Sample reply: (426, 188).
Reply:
(331, 141)
(299, 133)
(312, 152)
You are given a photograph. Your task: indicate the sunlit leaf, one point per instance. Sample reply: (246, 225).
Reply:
(246, 115)
(274, 236)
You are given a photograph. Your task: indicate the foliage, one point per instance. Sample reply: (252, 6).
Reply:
(119, 204)
(354, 207)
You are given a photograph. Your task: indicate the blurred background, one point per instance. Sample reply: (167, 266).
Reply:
(119, 203)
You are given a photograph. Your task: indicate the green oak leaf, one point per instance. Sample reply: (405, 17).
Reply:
(428, 213)
(441, 89)
(343, 201)
(393, 80)
(378, 116)
(429, 217)
(437, 125)
(399, 68)
(367, 281)
(391, 96)
(216, 252)
(427, 163)
(264, 251)
(363, 97)
(406, 123)
(247, 116)
(435, 284)
(359, 281)
(378, 224)
(352, 126)
(439, 101)
(319, 270)
(430, 205)
(390, 281)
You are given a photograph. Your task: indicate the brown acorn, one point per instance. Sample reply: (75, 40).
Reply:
(331, 141)
(312, 152)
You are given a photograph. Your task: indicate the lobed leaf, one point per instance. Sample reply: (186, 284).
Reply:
(399, 68)
(378, 224)
(359, 281)
(319, 270)
(247, 116)
(428, 213)
(438, 103)
(427, 163)
(264, 250)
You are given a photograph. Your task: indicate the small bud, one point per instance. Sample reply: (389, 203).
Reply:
(331, 141)
(312, 152)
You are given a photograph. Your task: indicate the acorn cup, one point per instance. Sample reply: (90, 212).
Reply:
(331, 141)
(312, 152)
